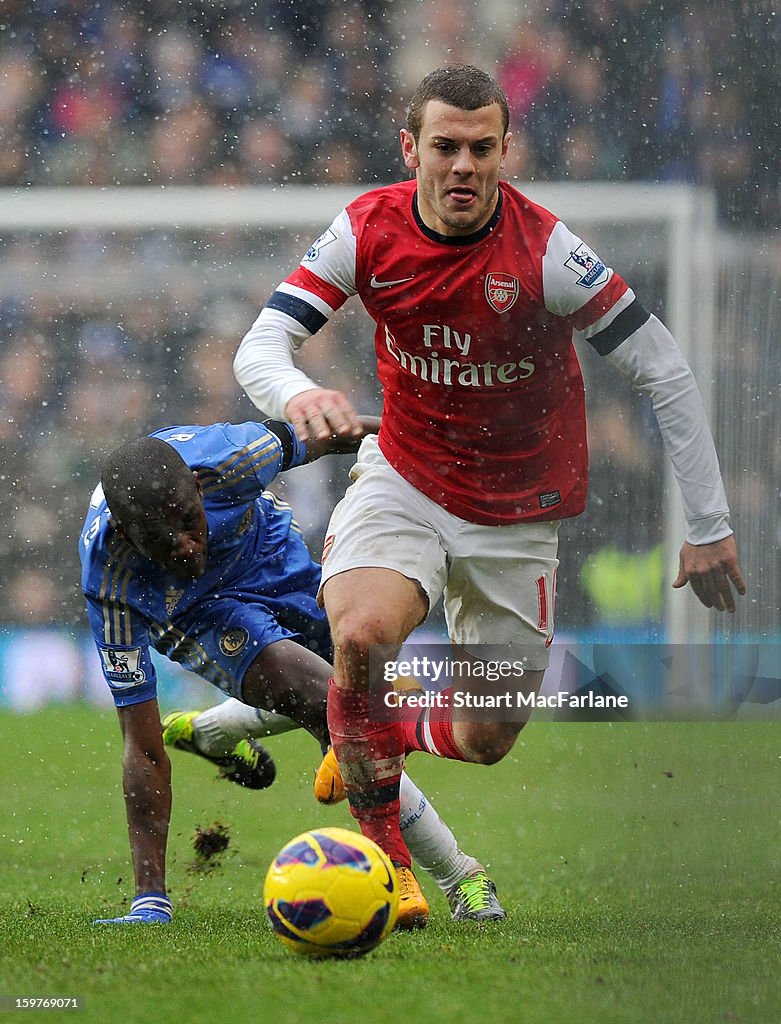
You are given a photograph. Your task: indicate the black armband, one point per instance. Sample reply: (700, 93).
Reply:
(623, 326)
(284, 432)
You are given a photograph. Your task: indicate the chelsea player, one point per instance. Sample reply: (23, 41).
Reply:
(184, 550)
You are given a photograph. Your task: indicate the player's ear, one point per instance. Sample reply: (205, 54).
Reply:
(409, 149)
(505, 146)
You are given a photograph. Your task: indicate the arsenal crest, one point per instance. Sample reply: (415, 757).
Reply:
(501, 290)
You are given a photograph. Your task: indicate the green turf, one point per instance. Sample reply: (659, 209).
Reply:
(639, 864)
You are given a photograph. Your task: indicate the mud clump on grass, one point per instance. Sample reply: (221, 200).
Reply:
(210, 844)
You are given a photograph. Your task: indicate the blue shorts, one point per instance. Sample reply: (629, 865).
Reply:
(218, 635)
(221, 644)
(221, 636)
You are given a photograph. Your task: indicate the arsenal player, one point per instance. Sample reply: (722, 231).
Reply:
(476, 292)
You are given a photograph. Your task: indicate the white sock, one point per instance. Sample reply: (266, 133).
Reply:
(430, 840)
(218, 729)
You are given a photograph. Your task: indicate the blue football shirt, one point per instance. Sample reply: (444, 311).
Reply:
(260, 583)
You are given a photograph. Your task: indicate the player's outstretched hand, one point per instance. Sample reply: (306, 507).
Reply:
(148, 908)
(712, 570)
(319, 413)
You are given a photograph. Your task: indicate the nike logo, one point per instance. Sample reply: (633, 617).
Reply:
(388, 284)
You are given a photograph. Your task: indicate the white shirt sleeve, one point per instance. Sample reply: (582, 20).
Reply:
(264, 363)
(572, 273)
(655, 365)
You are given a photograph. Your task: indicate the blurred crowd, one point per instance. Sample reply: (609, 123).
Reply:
(78, 377)
(94, 92)
(98, 92)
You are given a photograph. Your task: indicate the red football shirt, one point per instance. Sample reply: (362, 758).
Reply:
(484, 406)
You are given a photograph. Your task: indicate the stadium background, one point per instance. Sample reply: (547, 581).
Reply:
(94, 347)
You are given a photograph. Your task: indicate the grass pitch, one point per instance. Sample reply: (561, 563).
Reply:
(639, 864)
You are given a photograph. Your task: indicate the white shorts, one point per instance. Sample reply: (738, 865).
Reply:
(497, 581)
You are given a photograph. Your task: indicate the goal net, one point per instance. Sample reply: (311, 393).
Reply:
(134, 301)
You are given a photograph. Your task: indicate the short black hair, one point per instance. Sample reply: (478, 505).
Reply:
(142, 475)
(459, 85)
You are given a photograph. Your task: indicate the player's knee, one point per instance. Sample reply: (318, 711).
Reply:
(356, 633)
(489, 744)
(489, 754)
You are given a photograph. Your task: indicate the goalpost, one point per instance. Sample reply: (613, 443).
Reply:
(668, 231)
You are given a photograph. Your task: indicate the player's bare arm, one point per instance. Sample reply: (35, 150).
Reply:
(336, 444)
(147, 786)
(712, 570)
(320, 413)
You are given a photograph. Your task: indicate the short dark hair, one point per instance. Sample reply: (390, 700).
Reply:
(459, 85)
(140, 476)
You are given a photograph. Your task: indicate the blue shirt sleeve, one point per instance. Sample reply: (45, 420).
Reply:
(127, 666)
(237, 461)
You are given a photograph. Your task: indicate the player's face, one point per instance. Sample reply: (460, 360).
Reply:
(457, 161)
(174, 537)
